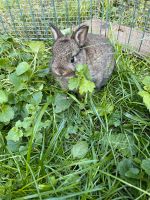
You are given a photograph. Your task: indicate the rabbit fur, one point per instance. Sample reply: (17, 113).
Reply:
(81, 48)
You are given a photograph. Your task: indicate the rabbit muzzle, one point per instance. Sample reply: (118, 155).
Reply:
(68, 71)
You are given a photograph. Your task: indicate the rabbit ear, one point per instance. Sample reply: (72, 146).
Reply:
(56, 32)
(80, 35)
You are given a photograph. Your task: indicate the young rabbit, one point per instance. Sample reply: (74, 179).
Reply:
(81, 48)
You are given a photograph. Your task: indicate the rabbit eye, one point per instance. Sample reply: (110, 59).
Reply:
(72, 59)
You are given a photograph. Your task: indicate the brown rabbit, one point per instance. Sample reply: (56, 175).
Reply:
(81, 48)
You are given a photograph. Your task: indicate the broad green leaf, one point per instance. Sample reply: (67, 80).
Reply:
(14, 79)
(124, 143)
(6, 113)
(28, 132)
(36, 46)
(26, 123)
(86, 86)
(17, 82)
(44, 124)
(115, 119)
(82, 80)
(13, 146)
(37, 97)
(106, 109)
(4, 63)
(132, 173)
(146, 165)
(3, 97)
(72, 129)
(14, 134)
(80, 149)
(22, 68)
(146, 98)
(79, 67)
(62, 102)
(146, 81)
(73, 83)
(31, 109)
(124, 166)
(23, 150)
(83, 70)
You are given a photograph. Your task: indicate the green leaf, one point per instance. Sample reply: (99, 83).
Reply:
(17, 82)
(86, 86)
(73, 83)
(124, 166)
(115, 119)
(83, 70)
(72, 129)
(14, 134)
(13, 146)
(62, 102)
(124, 143)
(146, 81)
(132, 173)
(31, 109)
(28, 132)
(44, 125)
(6, 113)
(23, 150)
(3, 97)
(52, 182)
(106, 109)
(36, 46)
(82, 80)
(146, 165)
(80, 67)
(22, 68)
(26, 123)
(146, 98)
(80, 149)
(4, 63)
(37, 97)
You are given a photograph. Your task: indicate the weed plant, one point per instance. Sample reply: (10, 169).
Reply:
(54, 145)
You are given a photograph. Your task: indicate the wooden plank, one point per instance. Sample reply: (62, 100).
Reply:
(138, 41)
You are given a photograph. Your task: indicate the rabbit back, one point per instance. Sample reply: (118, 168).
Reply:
(100, 58)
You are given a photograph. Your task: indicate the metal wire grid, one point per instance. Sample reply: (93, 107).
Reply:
(30, 19)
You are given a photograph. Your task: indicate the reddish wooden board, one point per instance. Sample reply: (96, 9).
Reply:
(133, 39)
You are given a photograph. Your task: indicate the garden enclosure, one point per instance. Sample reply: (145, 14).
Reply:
(129, 20)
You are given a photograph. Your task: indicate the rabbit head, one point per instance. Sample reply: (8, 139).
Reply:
(67, 53)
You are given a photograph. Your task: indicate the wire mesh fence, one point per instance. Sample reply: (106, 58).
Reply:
(30, 19)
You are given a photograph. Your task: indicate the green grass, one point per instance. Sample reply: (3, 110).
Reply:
(114, 123)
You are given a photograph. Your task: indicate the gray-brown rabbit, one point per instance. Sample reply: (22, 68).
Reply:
(81, 48)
